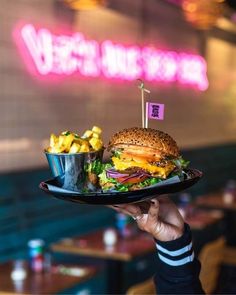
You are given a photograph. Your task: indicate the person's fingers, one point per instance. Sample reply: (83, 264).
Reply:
(144, 206)
(164, 199)
(111, 206)
(169, 213)
(152, 219)
(116, 208)
(130, 209)
(141, 221)
(119, 206)
(154, 201)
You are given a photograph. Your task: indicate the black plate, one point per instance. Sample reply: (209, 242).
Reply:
(109, 198)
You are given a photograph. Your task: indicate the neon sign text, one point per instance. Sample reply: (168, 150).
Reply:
(69, 54)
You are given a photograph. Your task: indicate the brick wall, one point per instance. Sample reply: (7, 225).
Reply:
(31, 109)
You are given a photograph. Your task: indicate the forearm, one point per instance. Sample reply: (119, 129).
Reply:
(178, 269)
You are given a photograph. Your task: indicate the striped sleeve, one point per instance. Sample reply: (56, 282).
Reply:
(177, 257)
(178, 269)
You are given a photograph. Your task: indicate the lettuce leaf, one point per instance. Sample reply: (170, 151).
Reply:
(181, 163)
(104, 179)
(117, 153)
(97, 167)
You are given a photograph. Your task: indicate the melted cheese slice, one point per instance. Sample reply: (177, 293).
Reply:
(141, 158)
(163, 172)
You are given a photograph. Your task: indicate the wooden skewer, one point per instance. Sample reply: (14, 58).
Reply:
(144, 121)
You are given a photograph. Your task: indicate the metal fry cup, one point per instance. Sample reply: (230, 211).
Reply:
(72, 169)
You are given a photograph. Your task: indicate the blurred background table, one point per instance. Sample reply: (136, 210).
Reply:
(41, 283)
(200, 219)
(228, 206)
(138, 249)
(218, 201)
(206, 226)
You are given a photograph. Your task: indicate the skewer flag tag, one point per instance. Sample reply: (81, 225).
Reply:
(155, 111)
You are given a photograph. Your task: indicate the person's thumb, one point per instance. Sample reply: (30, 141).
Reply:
(153, 212)
(149, 221)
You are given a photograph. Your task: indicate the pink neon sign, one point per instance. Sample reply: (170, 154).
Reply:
(69, 54)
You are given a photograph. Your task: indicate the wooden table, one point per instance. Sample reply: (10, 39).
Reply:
(216, 201)
(126, 249)
(200, 218)
(92, 245)
(45, 283)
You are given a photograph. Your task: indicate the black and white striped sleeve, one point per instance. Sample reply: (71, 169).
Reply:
(178, 269)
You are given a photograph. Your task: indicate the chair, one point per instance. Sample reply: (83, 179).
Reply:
(145, 288)
(230, 256)
(211, 257)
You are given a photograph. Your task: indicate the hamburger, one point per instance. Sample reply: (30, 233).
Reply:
(141, 157)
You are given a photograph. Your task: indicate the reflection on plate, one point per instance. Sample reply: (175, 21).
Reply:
(53, 188)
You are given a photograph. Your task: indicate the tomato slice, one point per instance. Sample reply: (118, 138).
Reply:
(131, 180)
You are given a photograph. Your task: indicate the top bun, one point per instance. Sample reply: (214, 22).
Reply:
(145, 137)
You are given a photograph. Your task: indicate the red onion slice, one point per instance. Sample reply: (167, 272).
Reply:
(112, 173)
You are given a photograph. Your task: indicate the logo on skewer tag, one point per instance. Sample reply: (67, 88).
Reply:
(155, 111)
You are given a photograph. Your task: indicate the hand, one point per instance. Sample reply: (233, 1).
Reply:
(160, 218)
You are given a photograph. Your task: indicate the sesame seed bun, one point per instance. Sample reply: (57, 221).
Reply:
(144, 138)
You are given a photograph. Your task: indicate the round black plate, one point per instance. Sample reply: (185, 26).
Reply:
(110, 198)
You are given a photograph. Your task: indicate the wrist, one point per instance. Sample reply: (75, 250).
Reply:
(179, 232)
(176, 252)
(169, 233)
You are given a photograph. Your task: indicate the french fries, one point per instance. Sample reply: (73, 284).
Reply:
(71, 143)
